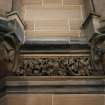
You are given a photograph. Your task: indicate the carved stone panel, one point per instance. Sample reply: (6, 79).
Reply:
(55, 66)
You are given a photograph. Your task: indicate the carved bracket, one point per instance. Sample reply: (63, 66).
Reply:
(98, 53)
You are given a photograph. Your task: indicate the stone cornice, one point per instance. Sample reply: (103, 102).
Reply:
(55, 85)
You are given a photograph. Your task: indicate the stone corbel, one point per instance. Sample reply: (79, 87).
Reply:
(94, 31)
(11, 37)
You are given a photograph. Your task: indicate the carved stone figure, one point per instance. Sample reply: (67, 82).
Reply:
(8, 53)
(98, 54)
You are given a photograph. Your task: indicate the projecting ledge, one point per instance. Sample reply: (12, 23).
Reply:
(56, 85)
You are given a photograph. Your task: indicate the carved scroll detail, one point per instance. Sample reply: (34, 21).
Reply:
(55, 66)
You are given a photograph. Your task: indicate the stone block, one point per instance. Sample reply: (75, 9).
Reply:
(6, 5)
(29, 99)
(79, 99)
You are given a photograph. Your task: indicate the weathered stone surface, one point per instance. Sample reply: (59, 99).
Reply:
(34, 99)
(29, 99)
(78, 100)
(53, 18)
(6, 5)
(99, 6)
(55, 65)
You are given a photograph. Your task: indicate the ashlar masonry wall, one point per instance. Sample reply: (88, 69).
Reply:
(53, 18)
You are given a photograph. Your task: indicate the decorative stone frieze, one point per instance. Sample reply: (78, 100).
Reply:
(55, 66)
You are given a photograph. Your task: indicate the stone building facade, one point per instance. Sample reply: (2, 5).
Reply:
(52, 52)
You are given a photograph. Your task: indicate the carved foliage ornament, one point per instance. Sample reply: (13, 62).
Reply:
(55, 66)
